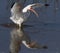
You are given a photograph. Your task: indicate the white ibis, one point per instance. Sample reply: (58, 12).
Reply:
(19, 14)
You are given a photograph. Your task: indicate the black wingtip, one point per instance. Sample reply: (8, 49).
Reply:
(45, 47)
(12, 4)
(47, 5)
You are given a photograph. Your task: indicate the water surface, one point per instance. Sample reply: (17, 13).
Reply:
(45, 29)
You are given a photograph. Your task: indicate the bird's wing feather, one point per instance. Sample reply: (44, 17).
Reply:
(36, 5)
(16, 7)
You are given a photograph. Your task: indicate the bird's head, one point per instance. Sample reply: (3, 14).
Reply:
(31, 7)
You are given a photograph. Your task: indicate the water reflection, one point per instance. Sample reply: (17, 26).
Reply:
(18, 37)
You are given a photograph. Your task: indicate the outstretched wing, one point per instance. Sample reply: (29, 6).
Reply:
(16, 7)
(36, 5)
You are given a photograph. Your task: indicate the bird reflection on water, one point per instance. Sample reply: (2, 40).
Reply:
(18, 37)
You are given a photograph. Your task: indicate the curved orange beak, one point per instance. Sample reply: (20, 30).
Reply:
(31, 9)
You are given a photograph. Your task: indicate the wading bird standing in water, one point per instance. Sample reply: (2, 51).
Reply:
(20, 14)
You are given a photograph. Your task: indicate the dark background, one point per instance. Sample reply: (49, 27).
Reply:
(45, 29)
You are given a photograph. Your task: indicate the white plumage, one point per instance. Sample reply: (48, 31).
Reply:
(19, 15)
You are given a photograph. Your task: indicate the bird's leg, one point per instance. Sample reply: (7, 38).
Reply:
(21, 24)
(17, 26)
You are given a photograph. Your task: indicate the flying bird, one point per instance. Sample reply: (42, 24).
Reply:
(20, 14)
